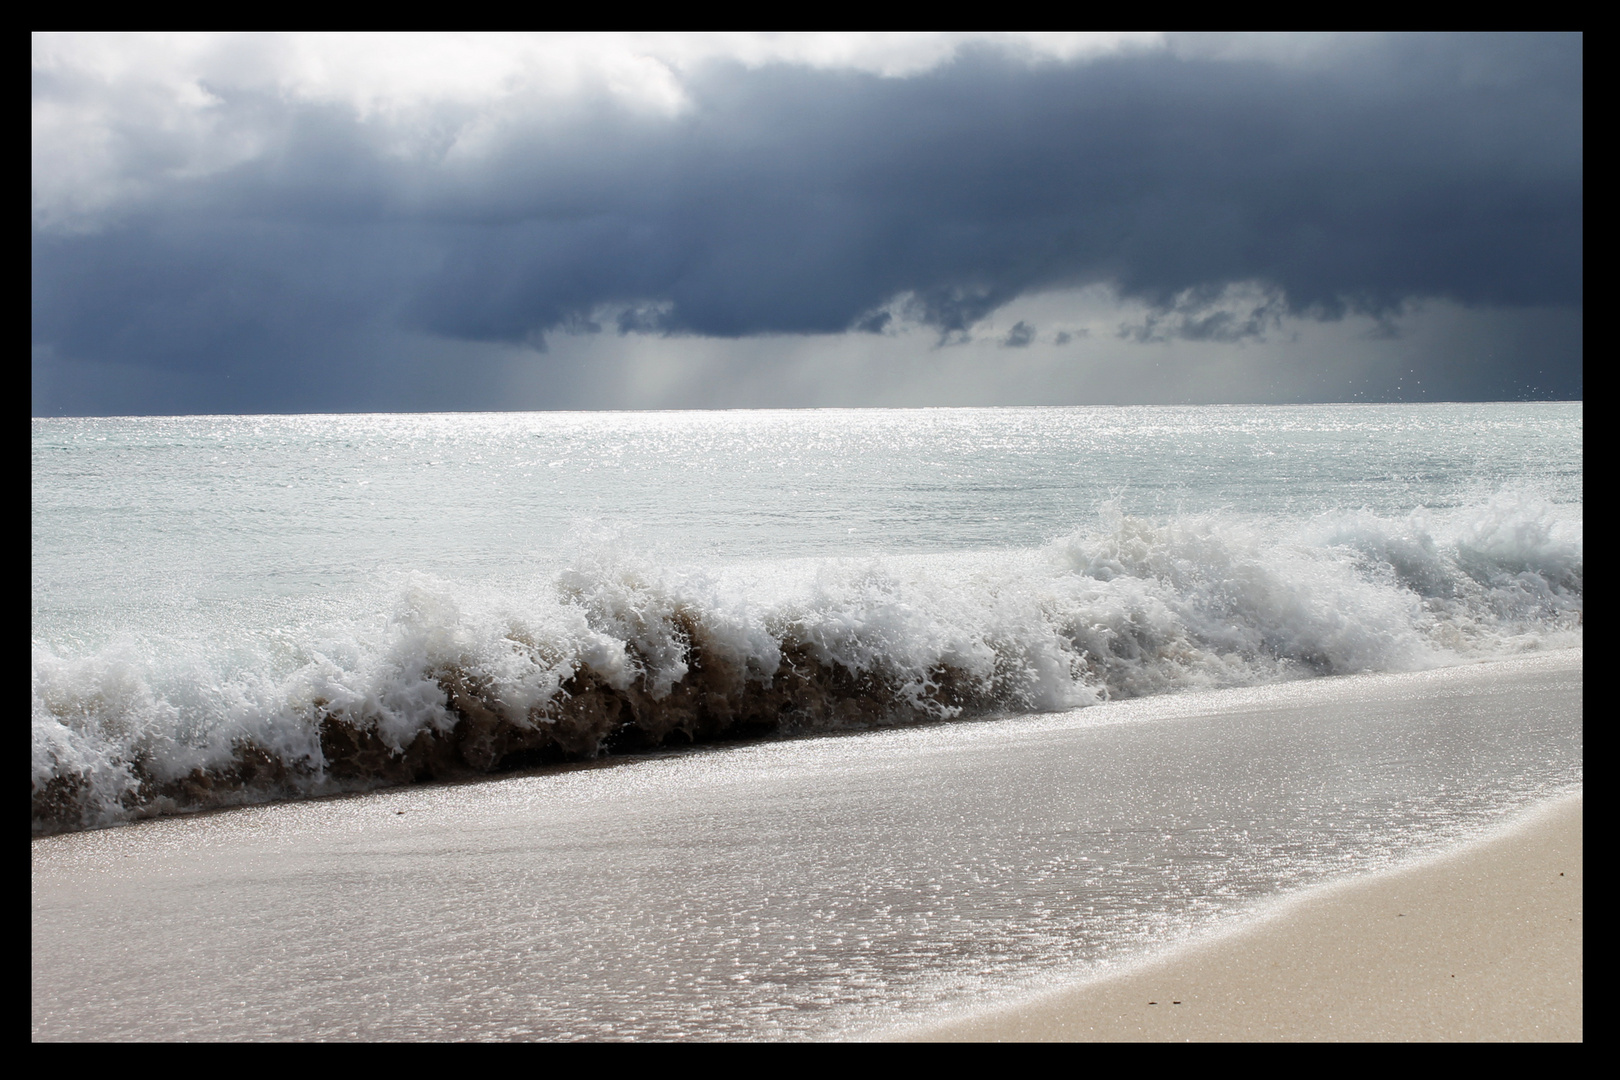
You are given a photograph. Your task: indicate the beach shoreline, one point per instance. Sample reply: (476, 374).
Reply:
(1481, 943)
(862, 887)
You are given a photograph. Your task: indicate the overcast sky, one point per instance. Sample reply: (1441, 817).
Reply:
(275, 224)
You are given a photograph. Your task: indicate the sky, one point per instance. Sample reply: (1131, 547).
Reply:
(335, 223)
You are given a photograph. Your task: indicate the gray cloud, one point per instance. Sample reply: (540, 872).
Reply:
(802, 201)
(1019, 336)
(1209, 314)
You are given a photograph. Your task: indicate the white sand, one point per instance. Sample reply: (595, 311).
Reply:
(1485, 944)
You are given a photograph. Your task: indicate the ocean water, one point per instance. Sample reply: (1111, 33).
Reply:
(234, 610)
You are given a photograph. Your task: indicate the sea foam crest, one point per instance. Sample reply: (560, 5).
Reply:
(619, 652)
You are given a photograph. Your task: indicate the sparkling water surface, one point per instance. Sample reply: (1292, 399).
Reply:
(137, 521)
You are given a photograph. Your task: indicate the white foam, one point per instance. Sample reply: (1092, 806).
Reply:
(1128, 608)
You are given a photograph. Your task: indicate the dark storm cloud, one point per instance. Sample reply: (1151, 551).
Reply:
(792, 200)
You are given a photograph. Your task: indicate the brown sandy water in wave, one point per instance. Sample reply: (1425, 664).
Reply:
(715, 700)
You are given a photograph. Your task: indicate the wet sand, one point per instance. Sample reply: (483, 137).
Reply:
(1482, 945)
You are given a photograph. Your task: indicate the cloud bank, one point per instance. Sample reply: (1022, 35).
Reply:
(247, 223)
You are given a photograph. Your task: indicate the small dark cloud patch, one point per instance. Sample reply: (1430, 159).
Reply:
(1062, 338)
(1019, 336)
(1207, 315)
(644, 319)
(787, 200)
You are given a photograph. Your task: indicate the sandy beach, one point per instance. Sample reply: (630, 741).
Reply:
(1484, 944)
(863, 886)
(807, 537)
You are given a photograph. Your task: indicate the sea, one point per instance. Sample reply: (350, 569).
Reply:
(760, 724)
(235, 609)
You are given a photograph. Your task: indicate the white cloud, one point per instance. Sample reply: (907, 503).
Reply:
(116, 114)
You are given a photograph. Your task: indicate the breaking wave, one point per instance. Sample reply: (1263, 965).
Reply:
(623, 654)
